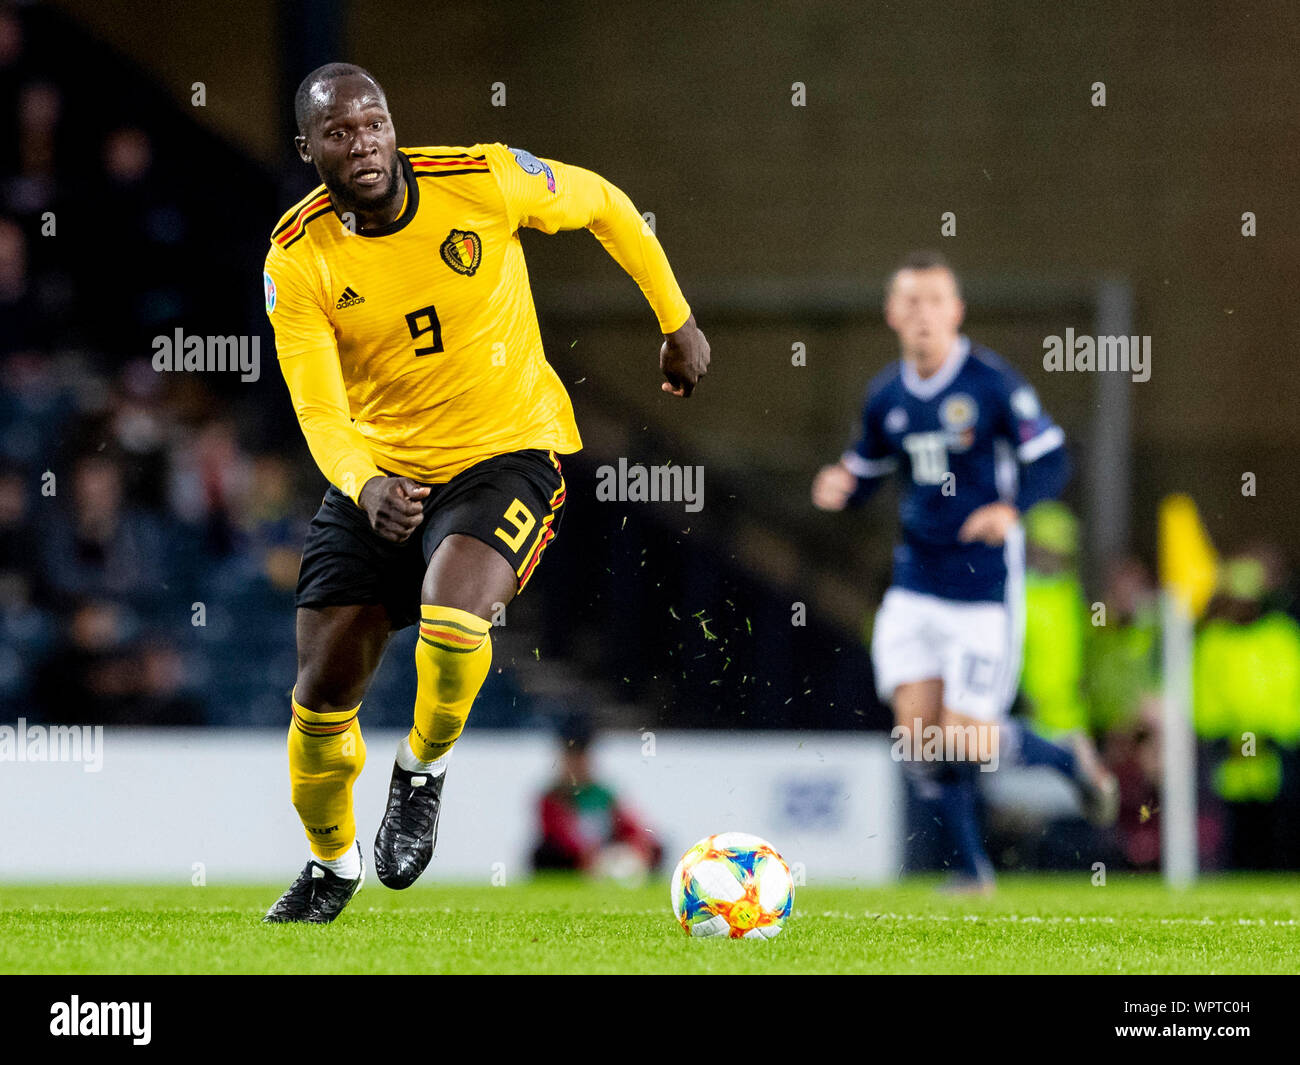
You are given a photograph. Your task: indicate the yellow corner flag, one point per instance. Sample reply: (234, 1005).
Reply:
(1189, 564)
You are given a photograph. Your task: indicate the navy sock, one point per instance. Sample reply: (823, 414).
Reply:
(960, 816)
(1031, 749)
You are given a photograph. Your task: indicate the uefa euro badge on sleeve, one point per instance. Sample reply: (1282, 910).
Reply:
(532, 165)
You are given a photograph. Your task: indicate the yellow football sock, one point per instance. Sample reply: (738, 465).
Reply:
(326, 753)
(452, 658)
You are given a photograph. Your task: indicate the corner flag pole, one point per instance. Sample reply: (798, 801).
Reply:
(1188, 572)
(1178, 858)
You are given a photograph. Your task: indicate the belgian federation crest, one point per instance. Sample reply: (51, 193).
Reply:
(462, 251)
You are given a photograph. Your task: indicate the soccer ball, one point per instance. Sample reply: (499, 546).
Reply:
(732, 884)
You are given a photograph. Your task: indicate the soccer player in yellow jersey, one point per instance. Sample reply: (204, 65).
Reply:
(406, 333)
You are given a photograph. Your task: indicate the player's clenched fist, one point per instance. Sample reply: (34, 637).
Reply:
(393, 505)
(832, 487)
(684, 358)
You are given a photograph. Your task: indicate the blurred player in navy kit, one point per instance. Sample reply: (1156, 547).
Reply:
(972, 449)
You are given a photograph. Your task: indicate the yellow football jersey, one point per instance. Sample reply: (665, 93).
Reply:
(414, 348)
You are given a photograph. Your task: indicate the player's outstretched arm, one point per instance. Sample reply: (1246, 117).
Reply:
(552, 196)
(607, 211)
(616, 223)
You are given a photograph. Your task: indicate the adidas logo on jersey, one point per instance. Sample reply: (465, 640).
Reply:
(349, 299)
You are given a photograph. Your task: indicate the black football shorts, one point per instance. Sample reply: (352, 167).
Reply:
(511, 502)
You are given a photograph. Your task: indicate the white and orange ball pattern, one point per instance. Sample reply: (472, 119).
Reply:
(733, 885)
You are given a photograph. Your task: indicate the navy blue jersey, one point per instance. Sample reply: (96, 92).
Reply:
(971, 434)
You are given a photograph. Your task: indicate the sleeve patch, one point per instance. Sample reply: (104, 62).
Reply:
(269, 287)
(1024, 403)
(1036, 447)
(530, 164)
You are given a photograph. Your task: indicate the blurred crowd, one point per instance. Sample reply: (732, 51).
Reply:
(1094, 666)
(133, 504)
(151, 523)
(129, 515)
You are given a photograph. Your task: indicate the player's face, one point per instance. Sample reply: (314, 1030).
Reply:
(924, 309)
(353, 144)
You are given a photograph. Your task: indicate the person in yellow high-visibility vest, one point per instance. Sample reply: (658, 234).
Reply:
(1123, 652)
(1247, 708)
(1122, 670)
(1052, 678)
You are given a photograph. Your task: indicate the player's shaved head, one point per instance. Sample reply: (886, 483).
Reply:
(315, 92)
(346, 132)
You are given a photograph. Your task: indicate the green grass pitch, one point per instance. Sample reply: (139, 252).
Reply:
(1032, 925)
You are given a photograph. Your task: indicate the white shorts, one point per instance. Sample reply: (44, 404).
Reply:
(973, 648)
